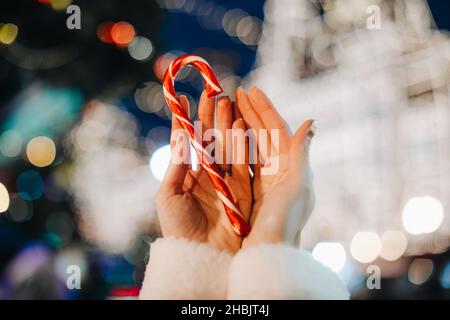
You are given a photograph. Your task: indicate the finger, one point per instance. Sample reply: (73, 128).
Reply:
(236, 113)
(240, 175)
(240, 149)
(253, 122)
(206, 112)
(270, 117)
(224, 122)
(176, 127)
(176, 172)
(180, 150)
(299, 148)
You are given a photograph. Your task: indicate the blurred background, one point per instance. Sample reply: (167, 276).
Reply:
(84, 131)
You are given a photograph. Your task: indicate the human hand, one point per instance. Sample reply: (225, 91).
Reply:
(282, 200)
(187, 204)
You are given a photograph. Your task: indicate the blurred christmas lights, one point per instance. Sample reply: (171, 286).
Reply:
(331, 254)
(365, 246)
(41, 151)
(393, 245)
(122, 33)
(422, 215)
(8, 33)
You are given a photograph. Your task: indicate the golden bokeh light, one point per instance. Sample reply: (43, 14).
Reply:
(61, 4)
(8, 33)
(4, 198)
(41, 151)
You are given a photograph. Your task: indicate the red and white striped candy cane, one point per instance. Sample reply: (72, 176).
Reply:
(212, 88)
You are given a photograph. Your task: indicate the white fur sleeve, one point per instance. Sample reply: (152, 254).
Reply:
(181, 269)
(282, 272)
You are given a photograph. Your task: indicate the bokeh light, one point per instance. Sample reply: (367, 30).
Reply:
(10, 143)
(365, 246)
(150, 97)
(4, 198)
(8, 33)
(422, 215)
(30, 185)
(161, 64)
(104, 32)
(19, 209)
(160, 160)
(393, 245)
(231, 20)
(140, 48)
(122, 33)
(331, 254)
(420, 271)
(41, 151)
(60, 4)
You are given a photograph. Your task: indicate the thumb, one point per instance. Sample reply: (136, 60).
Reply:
(180, 157)
(299, 148)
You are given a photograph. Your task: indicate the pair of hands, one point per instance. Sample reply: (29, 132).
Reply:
(276, 205)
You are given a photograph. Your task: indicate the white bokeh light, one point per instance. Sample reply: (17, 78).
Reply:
(422, 215)
(365, 246)
(160, 160)
(331, 254)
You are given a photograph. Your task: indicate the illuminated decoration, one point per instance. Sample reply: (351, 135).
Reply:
(110, 173)
(381, 98)
(41, 151)
(331, 254)
(40, 111)
(122, 33)
(420, 271)
(365, 246)
(30, 185)
(8, 33)
(422, 215)
(4, 198)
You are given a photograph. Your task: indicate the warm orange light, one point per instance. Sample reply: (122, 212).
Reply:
(104, 32)
(122, 33)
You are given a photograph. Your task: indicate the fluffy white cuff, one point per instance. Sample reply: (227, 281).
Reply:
(281, 272)
(180, 269)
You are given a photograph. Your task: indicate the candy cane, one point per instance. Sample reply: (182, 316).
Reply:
(212, 88)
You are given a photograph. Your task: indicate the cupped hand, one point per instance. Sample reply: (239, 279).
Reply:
(283, 195)
(187, 204)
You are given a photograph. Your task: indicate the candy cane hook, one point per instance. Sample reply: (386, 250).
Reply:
(212, 88)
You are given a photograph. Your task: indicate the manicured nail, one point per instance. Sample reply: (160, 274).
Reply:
(312, 129)
(179, 139)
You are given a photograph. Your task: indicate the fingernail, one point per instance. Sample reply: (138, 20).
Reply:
(179, 139)
(312, 129)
